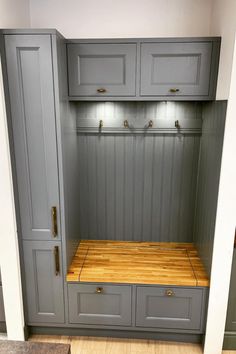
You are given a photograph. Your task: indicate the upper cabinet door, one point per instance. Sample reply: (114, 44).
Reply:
(175, 69)
(101, 70)
(30, 76)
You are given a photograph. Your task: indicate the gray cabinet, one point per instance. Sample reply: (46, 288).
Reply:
(30, 80)
(2, 314)
(100, 304)
(231, 313)
(44, 281)
(102, 69)
(143, 69)
(170, 308)
(175, 69)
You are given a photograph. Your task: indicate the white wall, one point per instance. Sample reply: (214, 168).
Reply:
(223, 23)
(123, 18)
(14, 13)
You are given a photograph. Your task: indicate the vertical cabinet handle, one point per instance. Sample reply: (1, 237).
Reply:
(57, 260)
(54, 221)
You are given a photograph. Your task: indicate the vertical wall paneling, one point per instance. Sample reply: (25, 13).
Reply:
(208, 178)
(137, 186)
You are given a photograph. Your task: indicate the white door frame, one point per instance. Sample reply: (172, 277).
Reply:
(224, 230)
(9, 253)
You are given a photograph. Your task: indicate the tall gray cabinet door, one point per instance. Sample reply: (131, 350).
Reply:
(175, 69)
(231, 313)
(101, 69)
(29, 69)
(44, 281)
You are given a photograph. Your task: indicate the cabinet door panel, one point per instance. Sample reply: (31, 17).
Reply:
(29, 66)
(93, 67)
(184, 67)
(182, 310)
(111, 306)
(44, 288)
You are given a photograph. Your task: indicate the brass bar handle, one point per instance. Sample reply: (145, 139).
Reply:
(54, 221)
(170, 292)
(57, 260)
(101, 90)
(174, 90)
(99, 290)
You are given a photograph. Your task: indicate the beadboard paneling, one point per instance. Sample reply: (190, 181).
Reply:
(136, 187)
(208, 178)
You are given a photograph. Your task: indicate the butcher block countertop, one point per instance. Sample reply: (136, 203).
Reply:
(160, 263)
(13, 347)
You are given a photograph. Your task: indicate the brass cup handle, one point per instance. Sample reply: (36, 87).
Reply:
(170, 292)
(101, 90)
(174, 90)
(99, 290)
(126, 123)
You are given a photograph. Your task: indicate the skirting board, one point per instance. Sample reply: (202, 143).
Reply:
(176, 337)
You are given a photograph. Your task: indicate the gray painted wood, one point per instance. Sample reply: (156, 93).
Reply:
(29, 69)
(184, 66)
(44, 289)
(208, 178)
(107, 66)
(181, 310)
(231, 313)
(2, 314)
(206, 50)
(110, 307)
(137, 187)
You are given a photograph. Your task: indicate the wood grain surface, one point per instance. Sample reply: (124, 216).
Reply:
(163, 263)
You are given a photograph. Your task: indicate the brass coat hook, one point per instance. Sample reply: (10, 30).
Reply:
(126, 124)
(177, 125)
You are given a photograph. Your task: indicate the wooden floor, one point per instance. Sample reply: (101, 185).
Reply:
(92, 345)
(138, 263)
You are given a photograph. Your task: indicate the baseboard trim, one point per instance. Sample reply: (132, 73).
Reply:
(176, 337)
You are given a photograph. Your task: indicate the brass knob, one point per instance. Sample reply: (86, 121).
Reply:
(150, 124)
(174, 90)
(100, 124)
(101, 90)
(177, 125)
(170, 292)
(126, 124)
(99, 290)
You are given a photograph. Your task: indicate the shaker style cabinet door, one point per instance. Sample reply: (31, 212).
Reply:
(44, 281)
(101, 70)
(175, 69)
(30, 79)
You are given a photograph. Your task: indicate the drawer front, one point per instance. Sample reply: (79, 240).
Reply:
(101, 70)
(181, 309)
(2, 315)
(98, 304)
(175, 69)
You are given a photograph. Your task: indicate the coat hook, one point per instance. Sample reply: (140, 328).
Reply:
(126, 124)
(177, 125)
(150, 124)
(100, 124)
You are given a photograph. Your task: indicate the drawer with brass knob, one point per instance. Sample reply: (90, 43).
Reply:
(170, 307)
(100, 304)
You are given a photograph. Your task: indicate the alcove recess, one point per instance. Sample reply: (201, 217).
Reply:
(141, 187)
